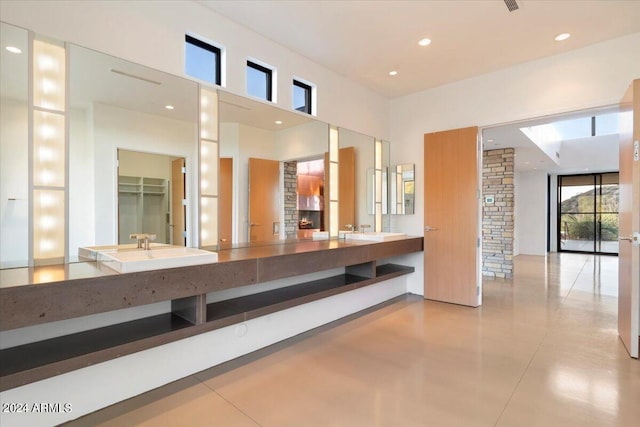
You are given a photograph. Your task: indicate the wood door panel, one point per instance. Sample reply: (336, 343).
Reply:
(629, 221)
(178, 225)
(347, 186)
(264, 199)
(452, 208)
(225, 205)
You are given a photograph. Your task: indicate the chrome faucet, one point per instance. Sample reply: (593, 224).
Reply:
(143, 239)
(363, 227)
(350, 227)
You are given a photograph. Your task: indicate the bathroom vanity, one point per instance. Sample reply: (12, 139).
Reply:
(36, 296)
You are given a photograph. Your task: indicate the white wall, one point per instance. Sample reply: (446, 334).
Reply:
(309, 140)
(586, 155)
(149, 165)
(82, 191)
(594, 76)
(531, 213)
(14, 185)
(152, 33)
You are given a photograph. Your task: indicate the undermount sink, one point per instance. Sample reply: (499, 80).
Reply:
(374, 236)
(125, 259)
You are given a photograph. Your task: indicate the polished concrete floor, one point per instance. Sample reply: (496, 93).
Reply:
(541, 351)
(609, 247)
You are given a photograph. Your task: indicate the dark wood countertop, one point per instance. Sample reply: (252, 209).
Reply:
(41, 295)
(30, 296)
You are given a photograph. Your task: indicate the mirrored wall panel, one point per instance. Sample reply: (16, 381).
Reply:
(402, 189)
(272, 169)
(149, 119)
(14, 145)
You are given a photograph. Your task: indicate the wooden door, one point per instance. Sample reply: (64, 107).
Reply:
(178, 226)
(347, 187)
(629, 222)
(451, 217)
(225, 205)
(325, 213)
(264, 200)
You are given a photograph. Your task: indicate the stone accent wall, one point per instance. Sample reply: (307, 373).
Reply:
(497, 218)
(291, 199)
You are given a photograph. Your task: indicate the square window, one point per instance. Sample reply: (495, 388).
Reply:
(202, 60)
(302, 97)
(259, 81)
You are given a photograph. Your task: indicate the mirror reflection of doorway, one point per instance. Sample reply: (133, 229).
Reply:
(264, 200)
(588, 213)
(225, 202)
(151, 194)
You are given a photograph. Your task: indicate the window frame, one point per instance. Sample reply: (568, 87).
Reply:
(216, 50)
(308, 88)
(269, 72)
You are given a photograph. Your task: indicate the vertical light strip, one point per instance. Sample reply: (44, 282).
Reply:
(378, 186)
(334, 180)
(48, 153)
(209, 161)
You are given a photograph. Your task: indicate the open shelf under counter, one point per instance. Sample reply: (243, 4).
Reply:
(42, 359)
(186, 288)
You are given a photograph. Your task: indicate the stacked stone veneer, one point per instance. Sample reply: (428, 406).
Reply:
(291, 199)
(497, 218)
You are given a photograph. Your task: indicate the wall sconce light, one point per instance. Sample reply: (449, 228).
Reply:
(378, 186)
(334, 153)
(48, 153)
(209, 159)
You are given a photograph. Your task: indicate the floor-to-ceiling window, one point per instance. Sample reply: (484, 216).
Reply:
(588, 213)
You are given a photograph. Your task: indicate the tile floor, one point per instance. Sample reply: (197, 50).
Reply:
(541, 351)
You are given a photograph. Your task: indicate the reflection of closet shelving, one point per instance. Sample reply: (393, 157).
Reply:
(142, 185)
(143, 207)
(129, 184)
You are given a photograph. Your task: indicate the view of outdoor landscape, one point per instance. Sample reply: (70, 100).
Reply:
(589, 217)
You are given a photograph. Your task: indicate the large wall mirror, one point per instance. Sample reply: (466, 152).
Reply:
(271, 172)
(14, 137)
(273, 168)
(132, 130)
(356, 158)
(122, 117)
(402, 189)
(113, 106)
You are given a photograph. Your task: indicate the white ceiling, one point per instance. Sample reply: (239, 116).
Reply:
(99, 78)
(364, 40)
(577, 154)
(256, 113)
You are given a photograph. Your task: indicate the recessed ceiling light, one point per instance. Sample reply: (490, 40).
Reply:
(13, 49)
(393, 73)
(489, 140)
(278, 122)
(169, 107)
(424, 42)
(563, 36)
